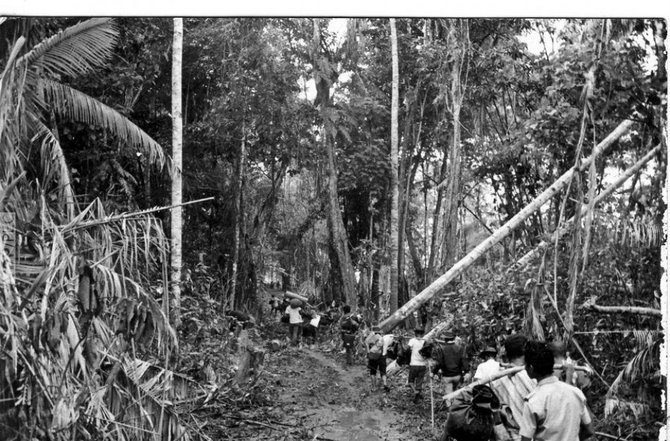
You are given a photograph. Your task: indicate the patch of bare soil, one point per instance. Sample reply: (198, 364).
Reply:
(308, 394)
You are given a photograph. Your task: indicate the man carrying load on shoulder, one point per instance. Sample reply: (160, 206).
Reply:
(565, 368)
(512, 390)
(293, 310)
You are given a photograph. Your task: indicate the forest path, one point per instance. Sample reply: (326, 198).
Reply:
(353, 412)
(308, 393)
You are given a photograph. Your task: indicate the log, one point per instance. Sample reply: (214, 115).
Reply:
(526, 259)
(640, 310)
(490, 378)
(292, 295)
(442, 326)
(459, 268)
(558, 366)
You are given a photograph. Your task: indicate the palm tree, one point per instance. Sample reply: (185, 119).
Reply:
(41, 96)
(74, 331)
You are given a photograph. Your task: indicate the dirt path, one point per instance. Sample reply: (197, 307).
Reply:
(308, 394)
(358, 413)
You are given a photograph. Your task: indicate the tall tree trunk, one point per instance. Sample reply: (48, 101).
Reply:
(393, 242)
(239, 208)
(462, 265)
(342, 270)
(453, 196)
(176, 212)
(338, 235)
(414, 253)
(431, 269)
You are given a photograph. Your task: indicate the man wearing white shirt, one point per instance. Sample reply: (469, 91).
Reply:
(417, 365)
(490, 366)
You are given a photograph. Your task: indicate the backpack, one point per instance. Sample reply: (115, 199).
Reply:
(349, 324)
(348, 340)
(392, 350)
(427, 350)
(404, 354)
(375, 350)
(471, 415)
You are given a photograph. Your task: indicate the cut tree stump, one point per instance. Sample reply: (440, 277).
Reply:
(250, 357)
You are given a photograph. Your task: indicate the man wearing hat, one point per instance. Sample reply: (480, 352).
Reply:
(451, 362)
(490, 366)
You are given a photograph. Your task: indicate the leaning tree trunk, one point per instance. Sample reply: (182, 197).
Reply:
(462, 265)
(176, 212)
(528, 257)
(393, 242)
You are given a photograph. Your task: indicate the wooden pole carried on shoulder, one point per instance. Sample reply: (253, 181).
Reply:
(505, 373)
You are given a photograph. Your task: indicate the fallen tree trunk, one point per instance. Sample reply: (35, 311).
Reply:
(441, 282)
(526, 259)
(640, 310)
(293, 295)
(442, 326)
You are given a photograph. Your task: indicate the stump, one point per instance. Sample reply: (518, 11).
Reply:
(250, 357)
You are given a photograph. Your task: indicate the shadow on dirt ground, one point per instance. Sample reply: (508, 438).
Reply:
(308, 393)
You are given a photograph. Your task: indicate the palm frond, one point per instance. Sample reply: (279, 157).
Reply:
(639, 232)
(10, 95)
(643, 365)
(74, 51)
(637, 409)
(52, 157)
(74, 105)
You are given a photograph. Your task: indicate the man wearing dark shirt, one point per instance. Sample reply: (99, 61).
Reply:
(450, 361)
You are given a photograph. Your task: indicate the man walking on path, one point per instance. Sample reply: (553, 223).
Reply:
(348, 327)
(294, 320)
(274, 305)
(417, 365)
(374, 344)
(564, 367)
(450, 361)
(488, 367)
(512, 390)
(554, 411)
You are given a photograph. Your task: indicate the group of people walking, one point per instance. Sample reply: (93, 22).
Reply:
(540, 401)
(533, 393)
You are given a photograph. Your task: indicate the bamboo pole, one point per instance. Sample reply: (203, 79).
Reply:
(485, 380)
(459, 268)
(526, 259)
